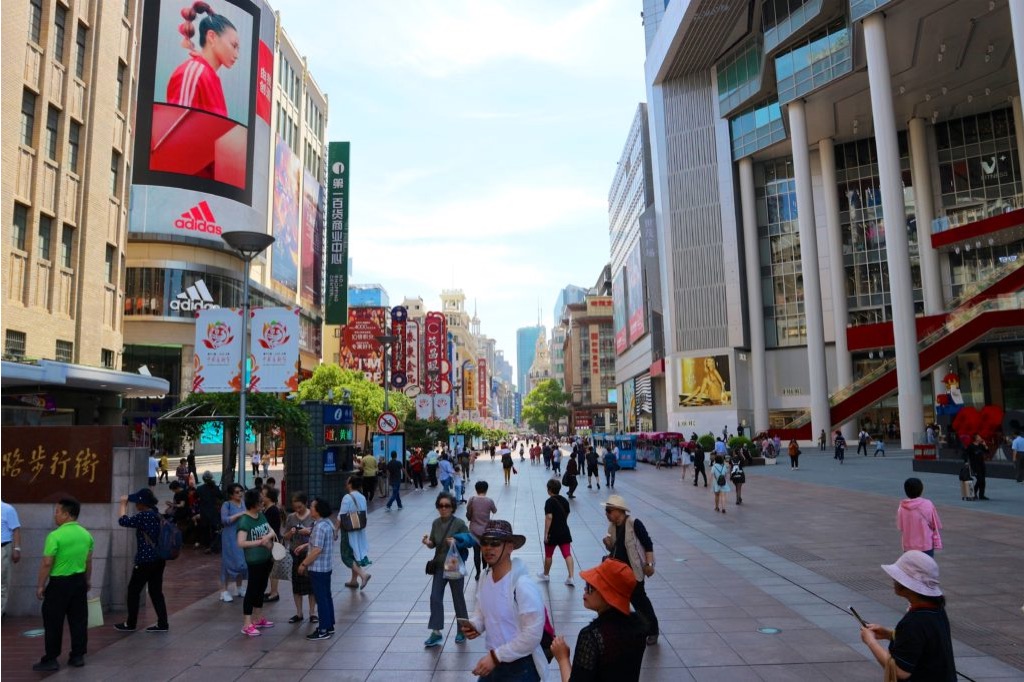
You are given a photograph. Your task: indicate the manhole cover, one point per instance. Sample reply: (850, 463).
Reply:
(769, 631)
(34, 633)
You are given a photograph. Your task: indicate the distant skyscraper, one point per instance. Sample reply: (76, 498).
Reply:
(570, 294)
(367, 295)
(526, 346)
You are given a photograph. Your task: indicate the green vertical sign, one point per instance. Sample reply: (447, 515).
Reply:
(336, 294)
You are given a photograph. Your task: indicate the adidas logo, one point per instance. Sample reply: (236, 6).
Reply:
(196, 297)
(200, 219)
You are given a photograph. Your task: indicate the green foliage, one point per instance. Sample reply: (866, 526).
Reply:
(495, 436)
(469, 430)
(366, 398)
(738, 442)
(545, 405)
(424, 433)
(282, 414)
(707, 441)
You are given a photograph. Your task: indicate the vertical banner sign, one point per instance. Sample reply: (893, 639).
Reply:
(336, 293)
(481, 386)
(595, 364)
(424, 406)
(284, 253)
(275, 350)
(469, 387)
(434, 349)
(399, 323)
(217, 364)
(636, 306)
(442, 405)
(309, 238)
(360, 350)
(619, 312)
(412, 353)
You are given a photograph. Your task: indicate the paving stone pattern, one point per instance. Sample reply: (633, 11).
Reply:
(803, 546)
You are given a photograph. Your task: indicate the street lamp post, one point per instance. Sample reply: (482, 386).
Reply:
(433, 373)
(247, 245)
(386, 340)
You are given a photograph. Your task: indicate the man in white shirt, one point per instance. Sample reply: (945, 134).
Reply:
(1018, 455)
(12, 547)
(509, 611)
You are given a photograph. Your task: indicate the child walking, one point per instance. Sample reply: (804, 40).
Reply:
(918, 521)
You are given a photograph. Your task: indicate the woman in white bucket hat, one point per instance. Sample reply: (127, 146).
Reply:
(920, 647)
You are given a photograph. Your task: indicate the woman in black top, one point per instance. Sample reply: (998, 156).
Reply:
(612, 646)
(556, 530)
(920, 647)
(273, 515)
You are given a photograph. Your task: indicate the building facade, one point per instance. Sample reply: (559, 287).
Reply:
(526, 347)
(839, 209)
(172, 273)
(636, 288)
(589, 352)
(67, 93)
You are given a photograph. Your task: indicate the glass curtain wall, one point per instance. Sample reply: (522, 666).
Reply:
(782, 284)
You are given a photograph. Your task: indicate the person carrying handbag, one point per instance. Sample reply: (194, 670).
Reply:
(355, 547)
(440, 539)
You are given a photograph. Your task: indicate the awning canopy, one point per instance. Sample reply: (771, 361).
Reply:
(47, 374)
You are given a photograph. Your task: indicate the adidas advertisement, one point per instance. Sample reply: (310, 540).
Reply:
(195, 297)
(202, 135)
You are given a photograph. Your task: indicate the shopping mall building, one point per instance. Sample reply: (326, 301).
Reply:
(839, 201)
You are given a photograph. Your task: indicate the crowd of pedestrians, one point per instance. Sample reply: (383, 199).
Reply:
(260, 545)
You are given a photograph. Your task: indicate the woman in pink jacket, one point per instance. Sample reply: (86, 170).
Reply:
(918, 520)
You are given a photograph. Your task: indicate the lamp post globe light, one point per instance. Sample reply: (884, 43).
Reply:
(246, 245)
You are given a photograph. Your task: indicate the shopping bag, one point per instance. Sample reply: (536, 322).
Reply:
(95, 613)
(454, 566)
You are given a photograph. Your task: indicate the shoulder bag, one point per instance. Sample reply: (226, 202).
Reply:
(433, 564)
(353, 520)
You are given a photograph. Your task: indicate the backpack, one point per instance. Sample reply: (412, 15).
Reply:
(548, 636)
(168, 544)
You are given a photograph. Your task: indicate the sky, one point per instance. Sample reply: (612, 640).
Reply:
(485, 136)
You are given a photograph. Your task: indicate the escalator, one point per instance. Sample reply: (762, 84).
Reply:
(977, 317)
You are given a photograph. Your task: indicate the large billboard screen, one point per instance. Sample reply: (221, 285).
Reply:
(619, 311)
(360, 349)
(705, 381)
(284, 268)
(635, 304)
(336, 275)
(202, 135)
(312, 234)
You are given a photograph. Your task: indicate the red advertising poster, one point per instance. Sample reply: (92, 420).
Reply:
(482, 386)
(412, 353)
(284, 267)
(399, 357)
(435, 349)
(360, 350)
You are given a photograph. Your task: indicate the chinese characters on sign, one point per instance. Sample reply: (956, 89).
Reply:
(217, 363)
(399, 325)
(482, 386)
(336, 298)
(360, 349)
(434, 351)
(43, 464)
(275, 350)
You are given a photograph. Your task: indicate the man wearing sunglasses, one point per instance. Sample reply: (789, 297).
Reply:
(509, 611)
(628, 541)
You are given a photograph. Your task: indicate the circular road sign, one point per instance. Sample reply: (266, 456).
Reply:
(387, 422)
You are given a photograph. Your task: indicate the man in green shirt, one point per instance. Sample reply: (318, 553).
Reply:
(63, 586)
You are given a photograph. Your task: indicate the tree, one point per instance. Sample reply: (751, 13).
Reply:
(469, 429)
(545, 405)
(425, 433)
(366, 397)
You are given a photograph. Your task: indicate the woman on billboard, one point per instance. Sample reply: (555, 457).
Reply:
(195, 83)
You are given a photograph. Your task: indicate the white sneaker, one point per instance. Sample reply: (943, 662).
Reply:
(226, 596)
(241, 593)
(543, 578)
(569, 582)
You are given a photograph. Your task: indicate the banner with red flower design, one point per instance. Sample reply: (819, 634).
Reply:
(217, 362)
(275, 350)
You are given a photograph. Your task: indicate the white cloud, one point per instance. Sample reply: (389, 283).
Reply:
(441, 39)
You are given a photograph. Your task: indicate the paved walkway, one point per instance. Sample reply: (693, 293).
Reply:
(802, 546)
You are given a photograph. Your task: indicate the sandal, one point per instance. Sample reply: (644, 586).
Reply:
(314, 619)
(365, 581)
(352, 585)
(296, 619)
(268, 598)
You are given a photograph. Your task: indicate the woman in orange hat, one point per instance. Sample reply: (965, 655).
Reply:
(612, 646)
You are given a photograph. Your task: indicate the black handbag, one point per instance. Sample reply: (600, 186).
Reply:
(431, 567)
(355, 520)
(965, 472)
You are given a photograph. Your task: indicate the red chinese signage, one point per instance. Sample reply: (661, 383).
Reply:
(360, 349)
(583, 420)
(435, 342)
(46, 463)
(595, 351)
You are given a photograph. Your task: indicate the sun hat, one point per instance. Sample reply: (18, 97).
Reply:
(502, 530)
(614, 580)
(144, 496)
(917, 572)
(616, 502)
